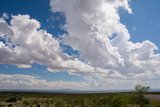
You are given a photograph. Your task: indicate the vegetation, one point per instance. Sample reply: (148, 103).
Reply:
(132, 99)
(139, 97)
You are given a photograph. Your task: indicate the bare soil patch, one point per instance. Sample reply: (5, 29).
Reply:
(153, 96)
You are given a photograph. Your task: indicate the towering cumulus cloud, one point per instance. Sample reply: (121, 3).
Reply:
(95, 30)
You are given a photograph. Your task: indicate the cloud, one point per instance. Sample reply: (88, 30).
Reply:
(19, 81)
(5, 16)
(94, 28)
(25, 44)
(107, 56)
(90, 24)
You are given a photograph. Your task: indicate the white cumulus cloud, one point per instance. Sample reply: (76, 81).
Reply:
(94, 28)
(26, 44)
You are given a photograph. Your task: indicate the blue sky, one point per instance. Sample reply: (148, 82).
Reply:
(143, 24)
(41, 11)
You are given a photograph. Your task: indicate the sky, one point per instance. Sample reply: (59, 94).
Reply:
(79, 44)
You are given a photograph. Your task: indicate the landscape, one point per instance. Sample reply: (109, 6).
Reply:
(79, 53)
(138, 98)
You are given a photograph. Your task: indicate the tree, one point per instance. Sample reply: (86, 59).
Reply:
(141, 89)
(140, 99)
